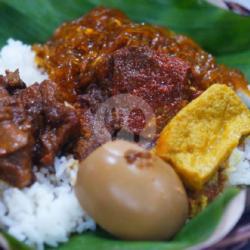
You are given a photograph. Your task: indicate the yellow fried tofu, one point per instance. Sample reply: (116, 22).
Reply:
(203, 134)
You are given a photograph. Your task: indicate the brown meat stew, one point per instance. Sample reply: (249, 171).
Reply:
(34, 127)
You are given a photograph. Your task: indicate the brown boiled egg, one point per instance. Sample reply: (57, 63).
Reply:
(131, 193)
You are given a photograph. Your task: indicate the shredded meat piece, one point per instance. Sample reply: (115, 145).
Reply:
(34, 127)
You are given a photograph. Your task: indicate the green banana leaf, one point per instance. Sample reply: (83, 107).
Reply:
(13, 243)
(194, 232)
(222, 33)
(197, 230)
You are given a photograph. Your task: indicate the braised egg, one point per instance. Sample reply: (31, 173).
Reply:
(131, 193)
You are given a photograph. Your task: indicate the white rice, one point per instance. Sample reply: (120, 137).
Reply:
(48, 211)
(16, 55)
(239, 165)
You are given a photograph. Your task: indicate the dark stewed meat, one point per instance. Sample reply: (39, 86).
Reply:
(34, 127)
(16, 137)
(137, 85)
(165, 83)
(54, 123)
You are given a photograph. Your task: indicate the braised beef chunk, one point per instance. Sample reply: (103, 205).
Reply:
(54, 124)
(16, 141)
(137, 85)
(32, 101)
(16, 168)
(165, 83)
(87, 105)
(61, 124)
(34, 128)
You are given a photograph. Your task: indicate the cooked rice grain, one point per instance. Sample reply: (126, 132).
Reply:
(48, 211)
(16, 55)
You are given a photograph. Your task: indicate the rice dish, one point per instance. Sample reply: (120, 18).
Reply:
(47, 212)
